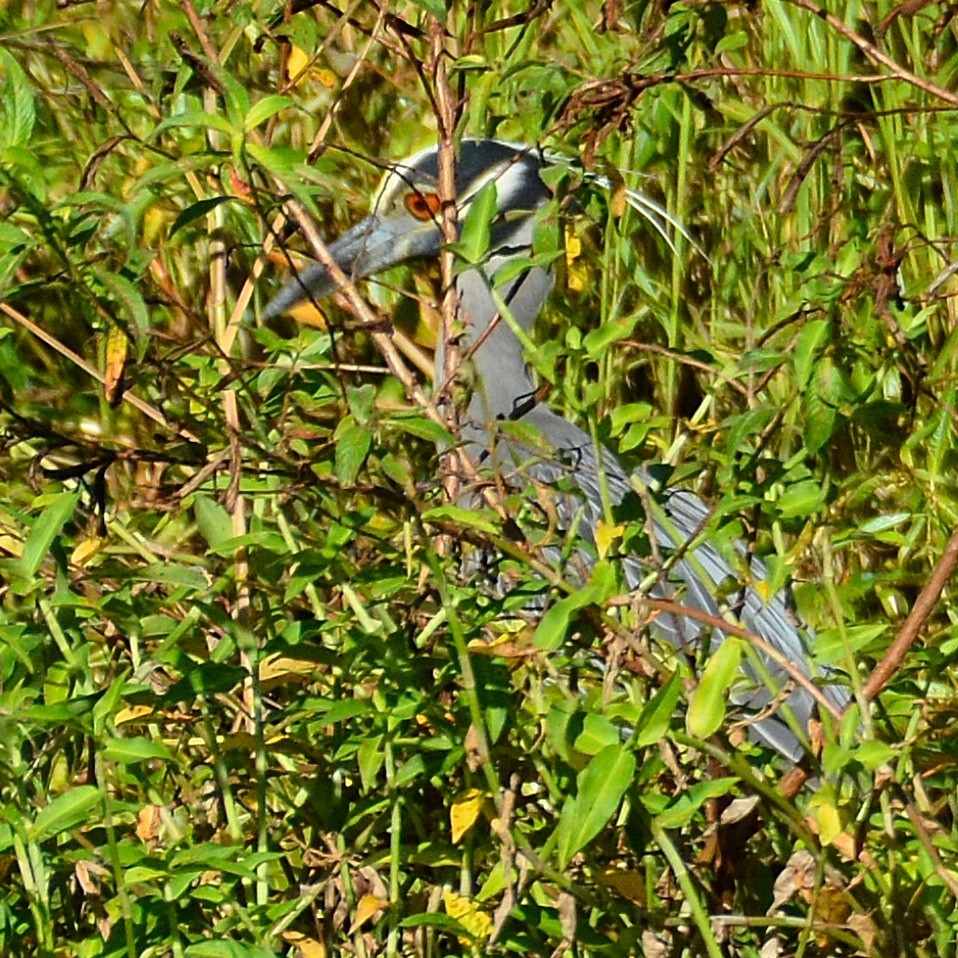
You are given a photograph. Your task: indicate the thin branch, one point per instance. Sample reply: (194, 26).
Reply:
(876, 54)
(128, 397)
(918, 616)
(729, 628)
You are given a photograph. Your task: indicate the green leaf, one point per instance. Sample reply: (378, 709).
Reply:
(264, 109)
(819, 422)
(194, 118)
(352, 446)
(598, 340)
(437, 920)
(800, 500)
(807, 344)
(210, 678)
(435, 8)
(216, 524)
(554, 626)
(370, 757)
(224, 948)
(657, 715)
(680, 811)
(66, 811)
(281, 163)
(169, 573)
(44, 532)
(345, 710)
(474, 237)
(707, 706)
(198, 210)
(17, 107)
(123, 292)
(483, 519)
(600, 787)
(424, 429)
(597, 732)
(129, 751)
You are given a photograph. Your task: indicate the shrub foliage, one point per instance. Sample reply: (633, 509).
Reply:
(253, 699)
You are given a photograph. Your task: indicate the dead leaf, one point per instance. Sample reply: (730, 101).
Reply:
(367, 907)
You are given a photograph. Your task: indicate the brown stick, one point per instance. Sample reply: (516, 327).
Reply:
(729, 628)
(877, 55)
(912, 626)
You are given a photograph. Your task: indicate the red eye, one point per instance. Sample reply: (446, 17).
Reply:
(424, 206)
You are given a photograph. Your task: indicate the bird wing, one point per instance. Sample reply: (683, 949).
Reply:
(685, 566)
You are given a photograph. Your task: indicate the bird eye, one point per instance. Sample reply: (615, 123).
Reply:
(424, 206)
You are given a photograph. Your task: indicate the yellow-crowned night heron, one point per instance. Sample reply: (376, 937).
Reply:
(404, 225)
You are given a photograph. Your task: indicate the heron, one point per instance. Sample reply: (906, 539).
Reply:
(505, 427)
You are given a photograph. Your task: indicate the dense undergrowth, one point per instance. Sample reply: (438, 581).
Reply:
(249, 704)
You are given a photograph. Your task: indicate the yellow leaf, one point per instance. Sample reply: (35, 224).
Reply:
(466, 809)
(764, 590)
(573, 250)
(297, 62)
(827, 818)
(468, 914)
(368, 906)
(629, 884)
(278, 669)
(306, 314)
(117, 355)
(132, 714)
(305, 947)
(619, 200)
(605, 537)
(86, 550)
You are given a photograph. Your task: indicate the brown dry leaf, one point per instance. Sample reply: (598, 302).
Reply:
(798, 877)
(568, 916)
(148, 821)
(845, 845)
(771, 949)
(738, 809)
(831, 905)
(509, 645)
(240, 187)
(866, 929)
(88, 876)
(474, 757)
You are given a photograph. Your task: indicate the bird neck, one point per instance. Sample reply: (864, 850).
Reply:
(501, 381)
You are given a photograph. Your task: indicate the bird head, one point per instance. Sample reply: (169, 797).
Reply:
(406, 220)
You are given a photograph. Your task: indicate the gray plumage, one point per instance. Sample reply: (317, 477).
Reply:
(502, 406)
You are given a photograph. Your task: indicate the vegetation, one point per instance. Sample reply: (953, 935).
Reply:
(250, 702)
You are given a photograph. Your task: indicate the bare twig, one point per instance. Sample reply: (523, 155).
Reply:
(729, 628)
(128, 397)
(912, 626)
(876, 54)
(449, 226)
